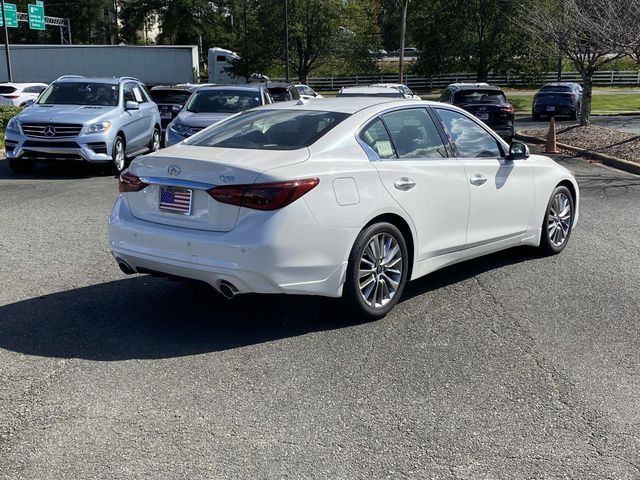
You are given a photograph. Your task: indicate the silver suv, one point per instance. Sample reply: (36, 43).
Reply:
(98, 120)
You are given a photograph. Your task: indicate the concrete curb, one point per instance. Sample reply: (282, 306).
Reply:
(614, 162)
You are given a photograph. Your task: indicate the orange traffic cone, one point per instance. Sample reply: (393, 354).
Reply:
(551, 146)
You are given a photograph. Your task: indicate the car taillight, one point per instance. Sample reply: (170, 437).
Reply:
(129, 182)
(12, 97)
(508, 109)
(263, 196)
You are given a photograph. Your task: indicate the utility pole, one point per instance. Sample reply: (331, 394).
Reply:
(6, 41)
(286, 40)
(403, 30)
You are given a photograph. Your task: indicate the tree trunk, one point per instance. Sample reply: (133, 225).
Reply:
(587, 94)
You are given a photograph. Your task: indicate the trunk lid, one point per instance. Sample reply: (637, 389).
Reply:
(199, 168)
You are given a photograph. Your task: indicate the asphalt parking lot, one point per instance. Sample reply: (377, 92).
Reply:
(513, 366)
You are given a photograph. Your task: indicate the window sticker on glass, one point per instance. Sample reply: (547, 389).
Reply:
(137, 94)
(384, 149)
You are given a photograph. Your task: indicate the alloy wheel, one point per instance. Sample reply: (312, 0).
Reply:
(155, 143)
(380, 270)
(119, 156)
(559, 219)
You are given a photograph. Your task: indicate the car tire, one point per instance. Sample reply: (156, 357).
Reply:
(535, 116)
(156, 139)
(118, 153)
(377, 271)
(21, 166)
(558, 221)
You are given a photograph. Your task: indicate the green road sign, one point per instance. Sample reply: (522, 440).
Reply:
(36, 16)
(11, 13)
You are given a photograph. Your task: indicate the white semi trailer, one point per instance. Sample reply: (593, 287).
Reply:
(220, 61)
(154, 65)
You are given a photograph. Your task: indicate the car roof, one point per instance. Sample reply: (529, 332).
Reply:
(21, 84)
(348, 105)
(108, 80)
(560, 84)
(365, 90)
(248, 88)
(473, 86)
(176, 88)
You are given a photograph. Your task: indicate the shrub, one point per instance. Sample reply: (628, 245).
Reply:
(7, 113)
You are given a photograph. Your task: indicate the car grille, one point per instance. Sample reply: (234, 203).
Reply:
(51, 130)
(35, 144)
(28, 154)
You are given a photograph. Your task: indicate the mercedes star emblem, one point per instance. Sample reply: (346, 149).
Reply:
(49, 131)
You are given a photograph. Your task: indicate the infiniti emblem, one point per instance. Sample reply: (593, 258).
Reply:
(49, 131)
(173, 170)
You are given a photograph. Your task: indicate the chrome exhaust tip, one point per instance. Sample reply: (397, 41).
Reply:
(125, 267)
(228, 290)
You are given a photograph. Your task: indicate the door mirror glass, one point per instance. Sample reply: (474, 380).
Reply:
(518, 151)
(131, 105)
(29, 102)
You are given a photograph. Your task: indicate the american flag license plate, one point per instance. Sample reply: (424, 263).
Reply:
(175, 200)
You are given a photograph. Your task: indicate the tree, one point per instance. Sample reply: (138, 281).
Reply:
(479, 35)
(583, 31)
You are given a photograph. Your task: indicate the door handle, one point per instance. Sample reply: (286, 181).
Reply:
(478, 180)
(404, 184)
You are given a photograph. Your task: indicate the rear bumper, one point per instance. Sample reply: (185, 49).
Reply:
(266, 252)
(559, 110)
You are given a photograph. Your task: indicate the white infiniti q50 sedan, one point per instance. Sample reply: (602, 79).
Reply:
(337, 197)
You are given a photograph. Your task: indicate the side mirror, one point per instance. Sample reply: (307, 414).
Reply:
(130, 105)
(518, 151)
(29, 102)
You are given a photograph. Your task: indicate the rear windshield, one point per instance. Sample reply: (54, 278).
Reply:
(173, 97)
(554, 97)
(6, 89)
(269, 130)
(80, 93)
(390, 94)
(555, 88)
(223, 101)
(481, 96)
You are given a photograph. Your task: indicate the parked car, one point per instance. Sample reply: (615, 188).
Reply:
(486, 102)
(557, 99)
(20, 94)
(170, 100)
(341, 198)
(406, 91)
(208, 105)
(282, 91)
(98, 120)
(370, 91)
(307, 92)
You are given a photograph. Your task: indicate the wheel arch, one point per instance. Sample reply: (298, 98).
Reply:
(402, 225)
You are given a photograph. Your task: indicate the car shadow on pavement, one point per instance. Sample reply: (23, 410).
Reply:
(60, 170)
(144, 317)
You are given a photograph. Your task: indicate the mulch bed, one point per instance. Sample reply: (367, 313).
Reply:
(618, 144)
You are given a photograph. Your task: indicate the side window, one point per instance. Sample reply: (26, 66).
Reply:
(127, 92)
(469, 138)
(377, 138)
(138, 95)
(414, 134)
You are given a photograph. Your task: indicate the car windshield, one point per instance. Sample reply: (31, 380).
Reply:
(80, 93)
(555, 88)
(173, 97)
(269, 130)
(481, 96)
(6, 89)
(555, 98)
(223, 101)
